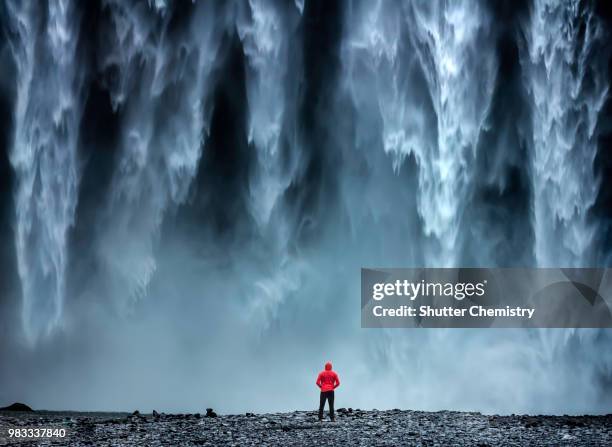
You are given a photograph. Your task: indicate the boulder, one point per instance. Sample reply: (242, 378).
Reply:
(17, 406)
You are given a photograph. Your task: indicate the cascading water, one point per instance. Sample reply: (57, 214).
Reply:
(267, 53)
(265, 32)
(261, 152)
(161, 85)
(433, 65)
(452, 41)
(568, 88)
(48, 109)
(449, 44)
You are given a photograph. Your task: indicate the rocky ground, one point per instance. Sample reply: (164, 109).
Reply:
(352, 427)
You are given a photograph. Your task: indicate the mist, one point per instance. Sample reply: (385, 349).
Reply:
(188, 191)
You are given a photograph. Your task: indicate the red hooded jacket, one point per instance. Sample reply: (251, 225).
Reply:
(328, 380)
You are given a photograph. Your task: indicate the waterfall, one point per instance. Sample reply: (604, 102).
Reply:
(450, 45)
(264, 35)
(265, 29)
(568, 86)
(160, 85)
(257, 154)
(48, 106)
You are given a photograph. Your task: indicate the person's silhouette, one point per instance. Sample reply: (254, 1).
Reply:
(327, 381)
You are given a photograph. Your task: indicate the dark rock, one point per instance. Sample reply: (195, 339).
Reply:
(198, 416)
(136, 413)
(210, 413)
(17, 406)
(249, 414)
(384, 428)
(155, 414)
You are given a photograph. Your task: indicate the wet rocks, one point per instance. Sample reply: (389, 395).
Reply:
(302, 428)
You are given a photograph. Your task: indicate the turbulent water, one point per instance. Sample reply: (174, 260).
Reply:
(568, 86)
(190, 188)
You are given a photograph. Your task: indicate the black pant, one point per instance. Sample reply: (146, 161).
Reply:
(329, 396)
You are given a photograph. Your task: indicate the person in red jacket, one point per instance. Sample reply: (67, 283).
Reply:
(327, 381)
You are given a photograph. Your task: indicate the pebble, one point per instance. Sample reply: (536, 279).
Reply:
(301, 428)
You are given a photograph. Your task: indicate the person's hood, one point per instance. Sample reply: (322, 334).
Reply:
(328, 366)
